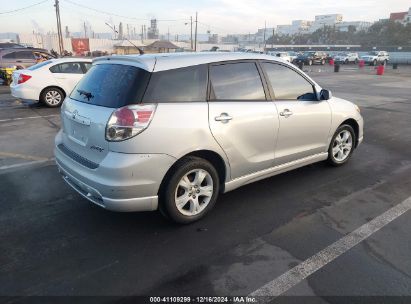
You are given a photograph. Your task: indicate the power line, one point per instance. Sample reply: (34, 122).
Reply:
(117, 15)
(23, 8)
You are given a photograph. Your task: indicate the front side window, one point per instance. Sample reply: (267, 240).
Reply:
(236, 81)
(67, 68)
(287, 84)
(178, 85)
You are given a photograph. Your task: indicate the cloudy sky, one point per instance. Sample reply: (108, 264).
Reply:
(218, 16)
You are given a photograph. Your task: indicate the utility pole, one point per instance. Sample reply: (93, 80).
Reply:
(191, 32)
(85, 29)
(59, 33)
(265, 29)
(168, 34)
(272, 39)
(195, 36)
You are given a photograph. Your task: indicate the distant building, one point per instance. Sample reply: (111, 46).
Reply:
(398, 17)
(296, 26)
(213, 38)
(401, 17)
(259, 36)
(325, 20)
(357, 25)
(334, 20)
(152, 31)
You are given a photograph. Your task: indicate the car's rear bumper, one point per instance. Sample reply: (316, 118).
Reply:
(22, 91)
(121, 182)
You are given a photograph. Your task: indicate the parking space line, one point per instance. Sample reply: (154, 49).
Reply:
(300, 272)
(29, 117)
(25, 164)
(22, 156)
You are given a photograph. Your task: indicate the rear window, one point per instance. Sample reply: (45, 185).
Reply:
(39, 65)
(178, 85)
(111, 85)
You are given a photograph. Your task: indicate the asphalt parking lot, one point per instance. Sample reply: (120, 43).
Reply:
(54, 243)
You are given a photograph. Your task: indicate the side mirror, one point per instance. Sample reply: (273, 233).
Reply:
(325, 94)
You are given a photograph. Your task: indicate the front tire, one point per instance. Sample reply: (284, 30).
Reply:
(52, 97)
(191, 191)
(342, 146)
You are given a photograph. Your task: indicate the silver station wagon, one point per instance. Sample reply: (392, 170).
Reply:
(170, 132)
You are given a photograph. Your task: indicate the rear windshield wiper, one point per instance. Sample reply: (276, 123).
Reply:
(88, 95)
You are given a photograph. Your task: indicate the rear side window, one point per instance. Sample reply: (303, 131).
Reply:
(24, 55)
(236, 81)
(179, 85)
(39, 65)
(10, 55)
(87, 66)
(288, 84)
(111, 85)
(67, 68)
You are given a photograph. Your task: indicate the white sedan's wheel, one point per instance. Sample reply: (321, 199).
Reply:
(342, 145)
(52, 97)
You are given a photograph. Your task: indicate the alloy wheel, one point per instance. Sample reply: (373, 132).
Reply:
(342, 146)
(53, 98)
(194, 192)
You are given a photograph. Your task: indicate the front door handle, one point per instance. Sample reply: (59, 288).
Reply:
(286, 113)
(224, 118)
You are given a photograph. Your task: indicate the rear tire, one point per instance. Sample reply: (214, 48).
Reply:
(190, 191)
(342, 146)
(52, 97)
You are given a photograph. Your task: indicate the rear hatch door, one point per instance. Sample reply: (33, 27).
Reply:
(85, 113)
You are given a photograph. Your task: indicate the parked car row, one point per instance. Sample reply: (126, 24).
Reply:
(320, 57)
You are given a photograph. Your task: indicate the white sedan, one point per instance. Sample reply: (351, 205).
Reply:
(49, 81)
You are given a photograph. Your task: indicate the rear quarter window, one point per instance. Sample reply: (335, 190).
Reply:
(187, 84)
(111, 85)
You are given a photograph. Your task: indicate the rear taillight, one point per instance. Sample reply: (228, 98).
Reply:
(23, 78)
(129, 121)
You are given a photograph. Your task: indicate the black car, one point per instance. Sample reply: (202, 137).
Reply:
(312, 57)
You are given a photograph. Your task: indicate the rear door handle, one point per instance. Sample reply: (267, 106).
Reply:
(224, 118)
(286, 113)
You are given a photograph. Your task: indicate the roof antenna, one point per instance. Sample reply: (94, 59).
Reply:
(140, 51)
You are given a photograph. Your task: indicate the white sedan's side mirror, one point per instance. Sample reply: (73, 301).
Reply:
(325, 94)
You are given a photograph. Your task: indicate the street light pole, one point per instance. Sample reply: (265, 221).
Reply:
(191, 32)
(195, 37)
(59, 33)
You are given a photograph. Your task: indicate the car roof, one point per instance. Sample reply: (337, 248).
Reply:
(169, 61)
(18, 49)
(71, 59)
